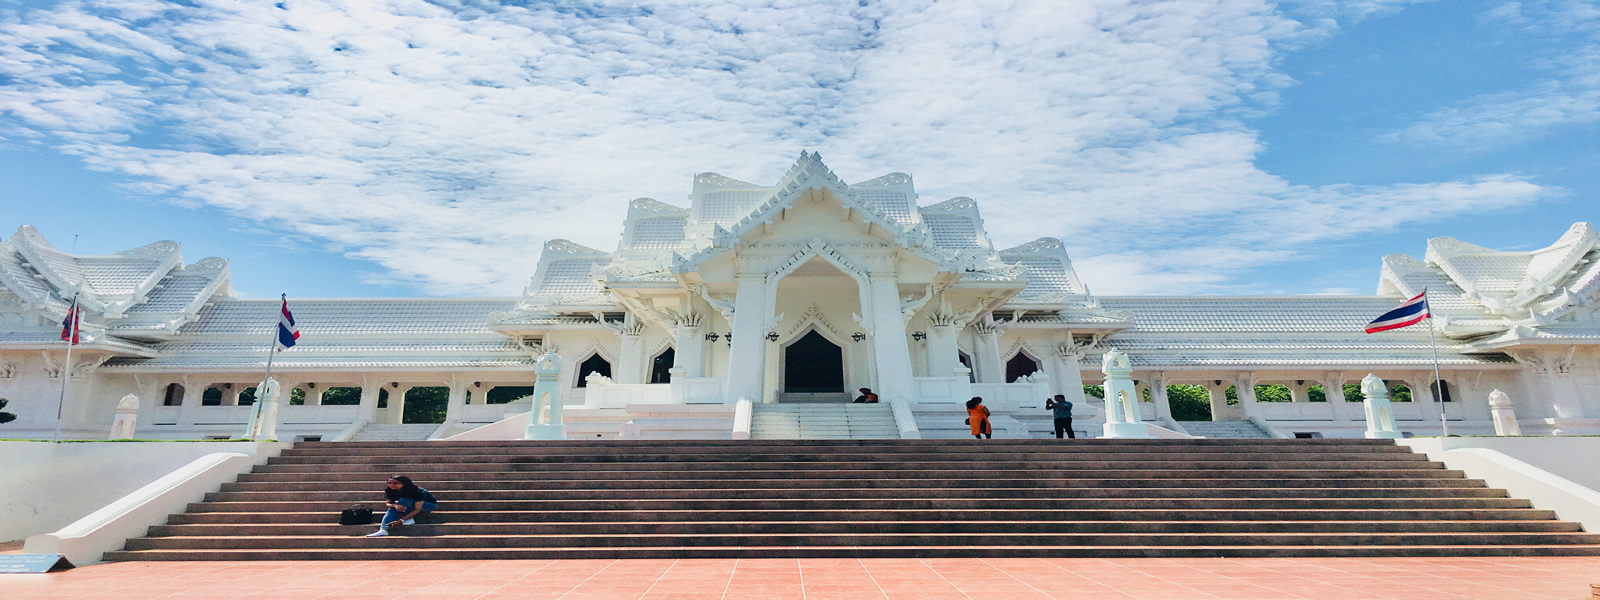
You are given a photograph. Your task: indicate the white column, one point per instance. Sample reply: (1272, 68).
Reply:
(230, 394)
(1299, 390)
(889, 345)
(368, 411)
(397, 404)
(1069, 379)
(689, 347)
(1333, 389)
(1217, 394)
(192, 394)
(1246, 382)
(943, 353)
(747, 355)
(1158, 394)
(313, 394)
(630, 361)
(456, 399)
(990, 369)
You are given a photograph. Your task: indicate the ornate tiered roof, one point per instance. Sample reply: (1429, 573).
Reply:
(155, 313)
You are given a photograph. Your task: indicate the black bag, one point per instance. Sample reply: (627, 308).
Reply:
(355, 515)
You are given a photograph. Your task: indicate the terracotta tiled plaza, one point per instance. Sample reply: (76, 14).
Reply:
(824, 579)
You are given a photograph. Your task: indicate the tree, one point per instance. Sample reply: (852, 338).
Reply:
(1094, 391)
(6, 417)
(1189, 402)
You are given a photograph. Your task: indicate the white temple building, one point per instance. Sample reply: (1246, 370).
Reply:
(799, 291)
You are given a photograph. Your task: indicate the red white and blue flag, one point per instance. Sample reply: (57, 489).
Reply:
(1405, 315)
(288, 334)
(70, 325)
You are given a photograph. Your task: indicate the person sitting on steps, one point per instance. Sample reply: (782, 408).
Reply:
(405, 501)
(866, 397)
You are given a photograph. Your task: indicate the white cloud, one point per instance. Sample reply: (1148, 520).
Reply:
(445, 141)
(1571, 97)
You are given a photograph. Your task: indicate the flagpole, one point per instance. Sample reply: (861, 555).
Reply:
(1438, 382)
(66, 370)
(272, 347)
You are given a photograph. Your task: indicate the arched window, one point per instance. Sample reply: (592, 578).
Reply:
(174, 395)
(1436, 386)
(594, 364)
(1020, 366)
(211, 397)
(660, 368)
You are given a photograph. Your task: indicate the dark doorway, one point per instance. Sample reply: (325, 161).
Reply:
(659, 368)
(1020, 366)
(813, 365)
(595, 364)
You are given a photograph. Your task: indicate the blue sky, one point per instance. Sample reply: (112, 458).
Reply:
(411, 148)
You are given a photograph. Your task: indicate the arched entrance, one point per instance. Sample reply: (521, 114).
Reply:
(813, 370)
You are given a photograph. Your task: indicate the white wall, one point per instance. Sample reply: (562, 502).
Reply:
(47, 486)
(1572, 458)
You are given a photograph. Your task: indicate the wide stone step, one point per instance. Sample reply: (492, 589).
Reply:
(886, 503)
(905, 447)
(428, 529)
(788, 460)
(355, 483)
(897, 514)
(836, 493)
(865, 539)
(423, 473)
(853, 551)
(611, 499)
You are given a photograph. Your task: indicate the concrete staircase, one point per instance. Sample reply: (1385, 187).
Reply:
(395, 433)
(1226, 430)
(833, 421)
(866, 498)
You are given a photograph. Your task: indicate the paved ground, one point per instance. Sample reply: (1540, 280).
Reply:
(824, 579)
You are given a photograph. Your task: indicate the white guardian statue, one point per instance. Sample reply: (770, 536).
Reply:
(545, 418)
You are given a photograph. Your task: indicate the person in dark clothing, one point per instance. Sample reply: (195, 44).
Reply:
(1063, 414)
(405, 501)
(866, 397)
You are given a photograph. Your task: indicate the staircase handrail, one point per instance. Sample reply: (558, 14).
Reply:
(742, 410)
(904, 419)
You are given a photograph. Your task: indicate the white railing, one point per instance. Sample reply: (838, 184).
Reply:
(493, 413)
(904, 419)
(619, 395)
(165, 415)
(1423, 411)
(742, 411)
(942, 390)
(1294, 411)
(315, 415)
(1011, 397)
(698, 390)
(221, 415)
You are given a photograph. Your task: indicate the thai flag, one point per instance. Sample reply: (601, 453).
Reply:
(70, 325)
(1405, 315)
(288, 334)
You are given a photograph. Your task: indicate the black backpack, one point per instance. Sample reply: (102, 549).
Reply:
(355, 515)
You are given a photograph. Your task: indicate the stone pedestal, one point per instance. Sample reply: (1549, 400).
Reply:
(1505, 418)
(127, 419)
(1380, 415)
(1122, 400)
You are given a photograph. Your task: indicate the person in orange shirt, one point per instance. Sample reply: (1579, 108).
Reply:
(978, 418)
